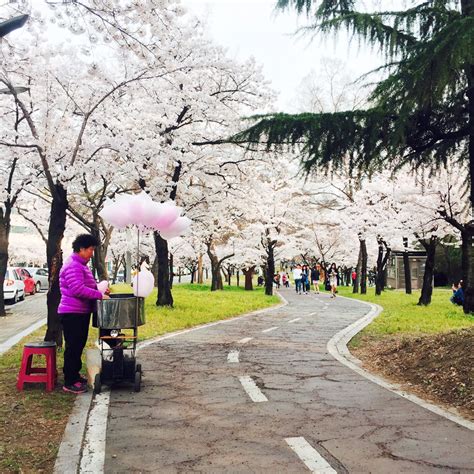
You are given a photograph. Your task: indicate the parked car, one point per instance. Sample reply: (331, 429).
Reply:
(13, 286)
(40, 276)
(28, 280)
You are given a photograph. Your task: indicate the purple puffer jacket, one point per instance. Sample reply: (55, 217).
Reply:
(78, 288)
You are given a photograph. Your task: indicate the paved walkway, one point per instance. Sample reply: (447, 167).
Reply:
(20, 317)
(262, 394)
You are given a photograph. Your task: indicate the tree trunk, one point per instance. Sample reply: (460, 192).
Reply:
(270, 269)
(381, 265)
(54, 255)
(427, 289)
(171, 272)
(469, 279)
(165, 298)
(200, 270)
(237, 275)
(355, 288)
(467, 10)
(154, 270)
(216, 283)
(248, 272)
(4, 238)
(406, 267)
(363, 269)
(99, 258)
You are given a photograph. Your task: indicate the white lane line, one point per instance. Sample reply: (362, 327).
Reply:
(245, 340)
(294, 320)
(270, 329)
(233, 357)
(93, 453)
(313, 460)
(252, 390)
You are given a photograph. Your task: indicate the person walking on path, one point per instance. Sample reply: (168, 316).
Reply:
(315, 276)
(333, 277)
(297, 277)
(304, 282)
(79, 295)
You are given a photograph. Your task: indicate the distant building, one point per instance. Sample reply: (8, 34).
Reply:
(396, 269)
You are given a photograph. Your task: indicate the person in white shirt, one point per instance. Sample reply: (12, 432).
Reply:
(297, 277)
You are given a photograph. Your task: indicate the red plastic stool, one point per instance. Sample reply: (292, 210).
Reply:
(31, 374)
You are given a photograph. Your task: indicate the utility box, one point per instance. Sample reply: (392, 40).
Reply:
(396, 269)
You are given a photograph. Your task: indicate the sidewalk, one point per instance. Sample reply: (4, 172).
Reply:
(22, 319)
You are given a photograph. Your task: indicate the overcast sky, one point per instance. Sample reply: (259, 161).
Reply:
(252, 28)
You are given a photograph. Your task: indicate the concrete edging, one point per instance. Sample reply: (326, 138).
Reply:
(337, 347)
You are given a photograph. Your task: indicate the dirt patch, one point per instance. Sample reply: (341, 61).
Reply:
(439, 368)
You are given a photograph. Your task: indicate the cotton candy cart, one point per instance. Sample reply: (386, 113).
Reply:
(119, 317)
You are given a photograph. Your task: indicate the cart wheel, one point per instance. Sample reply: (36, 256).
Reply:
(97, 384)
(138, 368)
(138, 381)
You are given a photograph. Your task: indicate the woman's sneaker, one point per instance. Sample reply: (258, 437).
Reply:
(77, 387)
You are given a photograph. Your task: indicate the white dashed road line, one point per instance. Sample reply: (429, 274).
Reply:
(313, 460)
(270, 329)
(245, 340)
(294, 320)
(233, 357)
(252, 390)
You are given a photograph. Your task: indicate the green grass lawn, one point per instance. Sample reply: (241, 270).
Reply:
(402, 316)
(195, 305)
(32, 421)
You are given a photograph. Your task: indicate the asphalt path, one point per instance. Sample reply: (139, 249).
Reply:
(22, 317)
(262, 394)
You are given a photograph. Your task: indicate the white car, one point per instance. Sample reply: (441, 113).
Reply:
(40, 276)
(13, 286)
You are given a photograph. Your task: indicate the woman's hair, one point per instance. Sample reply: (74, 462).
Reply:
(84, 241)
(333, 265)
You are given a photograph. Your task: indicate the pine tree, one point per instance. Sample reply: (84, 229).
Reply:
(421, 112)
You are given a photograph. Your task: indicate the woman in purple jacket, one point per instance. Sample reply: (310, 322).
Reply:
(79, 295)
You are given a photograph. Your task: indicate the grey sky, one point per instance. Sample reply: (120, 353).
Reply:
(252, 28)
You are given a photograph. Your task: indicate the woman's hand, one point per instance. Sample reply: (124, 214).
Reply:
(105, 297)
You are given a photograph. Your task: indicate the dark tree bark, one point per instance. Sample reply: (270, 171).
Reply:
(406, 267)
(363, 267)
(54, 255)
(469, 271)
(171, 272)
(216, 266)
(200, 278)
(355, 288)
(381, 265)
(4, 238)
(270, 266)
(248, 273)
(154, 270)
(165, 298)
(427, 290)
(237, 274)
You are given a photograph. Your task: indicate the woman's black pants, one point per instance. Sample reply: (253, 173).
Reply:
(75, 330)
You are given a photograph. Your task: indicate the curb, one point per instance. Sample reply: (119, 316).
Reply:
(9, 343)
(70, 451)
(337, 347)
(69, 454)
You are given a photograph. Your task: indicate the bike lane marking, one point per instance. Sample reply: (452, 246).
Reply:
(252, 390)
(312, 459)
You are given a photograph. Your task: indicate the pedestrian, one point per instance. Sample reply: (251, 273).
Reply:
(354, 276)
(297, 277)
(333, 278)
(276, 279)
(79, 295)
(260, 280)
(315, 276)
(284, 279)
(458, 293)
(304, 282)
